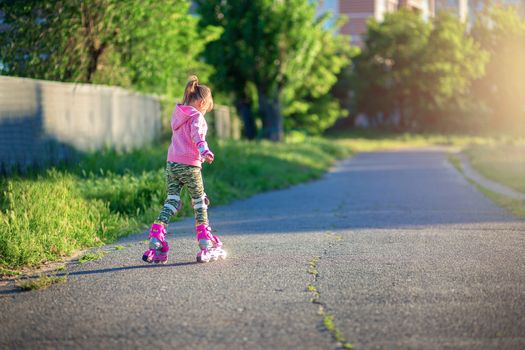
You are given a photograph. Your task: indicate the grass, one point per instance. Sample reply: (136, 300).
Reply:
(41, 282)
(51, 215)
(328, 322)
(312, 270)
(364, 140)
(91, 256)
(8, 273)
(312, 266)
(328, 319)
(455, 161)
(47, 218)
(516, 207)
(504, 163)
(119, 247)
(336, 236)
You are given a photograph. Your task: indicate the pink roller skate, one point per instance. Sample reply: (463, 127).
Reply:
(210, 245)
(158, 247)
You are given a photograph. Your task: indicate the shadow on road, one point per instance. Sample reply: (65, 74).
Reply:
(124, 268)
(14, 290)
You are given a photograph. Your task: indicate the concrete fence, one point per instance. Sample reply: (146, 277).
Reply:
(43, 122)
(223, 124)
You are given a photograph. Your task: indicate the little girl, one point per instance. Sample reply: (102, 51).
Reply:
(187, 151)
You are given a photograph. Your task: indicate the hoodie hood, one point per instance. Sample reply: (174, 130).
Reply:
(182, 114)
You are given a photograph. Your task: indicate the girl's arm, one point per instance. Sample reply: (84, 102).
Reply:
(198, 135)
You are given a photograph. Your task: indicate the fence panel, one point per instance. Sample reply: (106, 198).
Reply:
(43, 122)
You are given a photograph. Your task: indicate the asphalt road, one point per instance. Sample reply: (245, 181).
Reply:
(408, 255)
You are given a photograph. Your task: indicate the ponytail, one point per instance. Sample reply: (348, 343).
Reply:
(194, 91)
(189, 91)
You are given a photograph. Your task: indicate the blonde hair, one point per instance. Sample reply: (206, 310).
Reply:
(195, 92)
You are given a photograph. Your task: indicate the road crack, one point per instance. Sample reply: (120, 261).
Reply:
(328, 321)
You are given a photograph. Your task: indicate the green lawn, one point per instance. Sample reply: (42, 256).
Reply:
(515, 206)
(502, 163)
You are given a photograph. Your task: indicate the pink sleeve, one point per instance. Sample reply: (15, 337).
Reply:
(198, 130)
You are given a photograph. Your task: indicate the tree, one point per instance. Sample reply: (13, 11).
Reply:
(417, 75)
(231, 55)
(389, 67)
(149, 45)
(267, 52)
(308, 102)
(452, 61)
(501, 32)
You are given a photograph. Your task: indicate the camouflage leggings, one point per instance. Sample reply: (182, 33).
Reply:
(178, 175)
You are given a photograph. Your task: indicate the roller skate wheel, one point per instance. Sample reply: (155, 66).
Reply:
(148, 256)
(200, 259)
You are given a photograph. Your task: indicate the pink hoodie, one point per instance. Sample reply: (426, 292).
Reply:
(189, 128)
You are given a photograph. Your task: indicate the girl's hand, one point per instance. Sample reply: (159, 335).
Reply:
(205, 152)
(208, 158)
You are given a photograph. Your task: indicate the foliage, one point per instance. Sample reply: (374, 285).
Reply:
(271, 53)
(316, 115)
(422, 71)
(452, 61)
(231, 55)
(388, 70)
(149, 45)
(308, 102)
(501, 32)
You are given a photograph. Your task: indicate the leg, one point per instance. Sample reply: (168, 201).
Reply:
(210, 245)
(193, 180)
(173, 203)
(158, 246)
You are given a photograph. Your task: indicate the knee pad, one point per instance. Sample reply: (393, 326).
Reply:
(202, 202)
(173, 207)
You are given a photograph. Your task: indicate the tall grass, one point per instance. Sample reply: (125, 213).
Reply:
(47, 217)
(109, 194)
